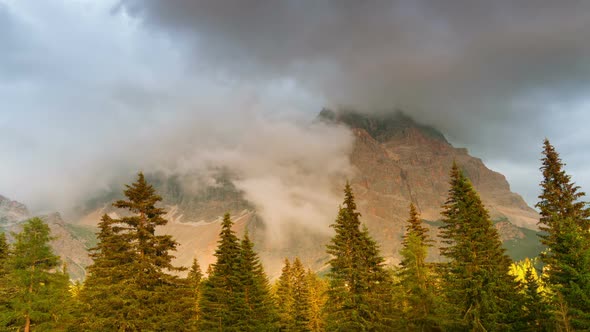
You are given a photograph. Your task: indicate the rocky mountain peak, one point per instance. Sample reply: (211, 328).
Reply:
(69, 242)
(12, 211)
(383, 126)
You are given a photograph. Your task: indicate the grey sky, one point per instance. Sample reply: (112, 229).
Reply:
(90, 91)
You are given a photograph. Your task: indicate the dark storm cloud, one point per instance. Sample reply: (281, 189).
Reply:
(94, 90)
(497, 76)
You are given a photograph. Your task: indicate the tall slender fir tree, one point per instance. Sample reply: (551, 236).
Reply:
(357, 295)
(317, 300)
(477, 281)
(38, 297)
(565, 224)
(259, 313)
(283, 291)
(416, 278)
(222, 299)
(301, 305)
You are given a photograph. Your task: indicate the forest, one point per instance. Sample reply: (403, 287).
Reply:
(133, 284)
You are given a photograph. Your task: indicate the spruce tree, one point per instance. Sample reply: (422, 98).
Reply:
(301, 299)
(194, 278)
(129, 283)
(478, 285)
(317, 300)
(537, 312)
(4, 290)
(565, 224)
(4, 251)
(284, 297)
(358, 291)
(222, 300)
(416, 278)
(106, 297)
(38, 297)
(259, 313)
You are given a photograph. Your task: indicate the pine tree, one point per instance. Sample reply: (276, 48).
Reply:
(4, 251)
(537, 312)
(284, 297)
(259, 313)
(194, 278)
(129, 283)
(565, 224)
(38, 295)
(221, 300)
(416, 278)
(4, 289)
(357, 295)
(301, 299)
(478, 284)
(317, 299)
(106, 297)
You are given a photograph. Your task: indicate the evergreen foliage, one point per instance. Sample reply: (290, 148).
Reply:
(259, 313)
(566, 225)
(129, 287)
(537, 312)
(194, 279)
(358, 292)
(416, 278)
(4, 251)
(317, 299)
(36, 289)
(222, 301)
(478, 286)
(284, 297)
(301, 299)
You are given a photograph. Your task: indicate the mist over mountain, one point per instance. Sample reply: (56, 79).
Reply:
(287, 202)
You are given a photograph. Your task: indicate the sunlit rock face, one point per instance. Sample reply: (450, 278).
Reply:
(399, 161)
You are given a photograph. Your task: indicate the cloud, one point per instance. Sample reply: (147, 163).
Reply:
(292, 174)
(90, 92)
(496, 76)
(92, 98)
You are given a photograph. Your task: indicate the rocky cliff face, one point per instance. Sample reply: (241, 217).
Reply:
(399, 161)
(408, 162)
(70, 242)
(11, 212)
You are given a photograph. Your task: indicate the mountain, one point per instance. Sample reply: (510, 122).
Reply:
(397, 161)
(70, 242)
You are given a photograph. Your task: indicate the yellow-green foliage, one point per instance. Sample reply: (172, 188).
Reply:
(518, 270)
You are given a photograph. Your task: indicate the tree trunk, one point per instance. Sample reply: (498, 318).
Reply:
(28, 317)
(28, 324)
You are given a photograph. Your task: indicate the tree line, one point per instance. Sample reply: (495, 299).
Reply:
(132, 284)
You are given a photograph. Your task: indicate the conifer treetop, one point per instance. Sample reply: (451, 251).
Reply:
(414, 226)
(560, 196)
(142, 199)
